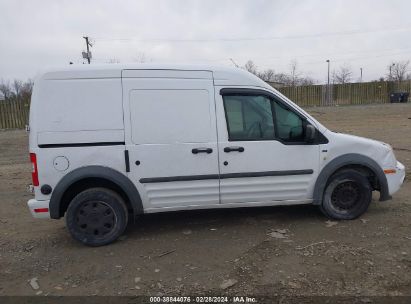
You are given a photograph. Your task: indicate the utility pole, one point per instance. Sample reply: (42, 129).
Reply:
(328, 82)
(88, 54)
(391, 65)
(361, 75)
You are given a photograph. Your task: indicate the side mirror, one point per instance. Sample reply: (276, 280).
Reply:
(309, 133)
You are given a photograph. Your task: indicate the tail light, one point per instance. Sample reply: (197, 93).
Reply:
(34, 172)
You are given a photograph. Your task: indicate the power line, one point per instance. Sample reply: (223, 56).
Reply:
(330, 54)
(303, 36)
(373, 52)
(271, 59)
(361, 58)
(337, 60)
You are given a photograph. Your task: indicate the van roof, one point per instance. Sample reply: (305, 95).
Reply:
(222, 75)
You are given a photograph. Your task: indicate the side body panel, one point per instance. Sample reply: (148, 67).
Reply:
(77, 111)
(75, 122)
(288, 171)
(170, 113)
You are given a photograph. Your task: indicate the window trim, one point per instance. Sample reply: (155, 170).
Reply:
(320, 138)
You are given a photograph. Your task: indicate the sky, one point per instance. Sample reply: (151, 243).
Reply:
(367, 34)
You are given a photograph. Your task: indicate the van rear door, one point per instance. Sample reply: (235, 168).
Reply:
(171, 138)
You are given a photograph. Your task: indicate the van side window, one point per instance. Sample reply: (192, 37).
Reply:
(257, 117)
(289, 125)
(249, 117)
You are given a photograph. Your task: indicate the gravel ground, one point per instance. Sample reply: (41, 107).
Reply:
(254, 251)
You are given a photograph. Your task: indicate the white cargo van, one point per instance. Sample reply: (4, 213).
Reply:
(109, 143)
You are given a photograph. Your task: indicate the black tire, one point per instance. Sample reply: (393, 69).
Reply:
(96, 217)
(347, 195)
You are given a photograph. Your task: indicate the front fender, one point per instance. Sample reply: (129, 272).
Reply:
(345, 160)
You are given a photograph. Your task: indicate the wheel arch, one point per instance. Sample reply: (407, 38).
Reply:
(93, 176)
(353, 161)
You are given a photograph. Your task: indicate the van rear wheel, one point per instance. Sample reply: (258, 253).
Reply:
(96, 217)
(347, 195)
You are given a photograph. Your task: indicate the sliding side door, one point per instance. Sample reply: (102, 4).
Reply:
(171, 137)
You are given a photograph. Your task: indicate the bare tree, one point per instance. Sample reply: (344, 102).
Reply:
(251, 67)
(17, 86)
(282, 78)
(17, 90)
(294, 73)
(5, 88)
(397, 71)
(113, 60)
(26, 90)
(141, 57)
(306, 81)
(343, 75)
(267, 75)
(294, 77)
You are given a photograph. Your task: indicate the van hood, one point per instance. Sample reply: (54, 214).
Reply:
(364, 140)
(381, 152)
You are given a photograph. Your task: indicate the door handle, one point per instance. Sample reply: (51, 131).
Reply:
(202, 150)
(233, 149)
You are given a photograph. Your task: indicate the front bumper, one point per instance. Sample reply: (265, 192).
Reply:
(39, 209)
(397, 179)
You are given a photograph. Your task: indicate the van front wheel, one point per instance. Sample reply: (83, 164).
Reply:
(347, 195)
(96, 217)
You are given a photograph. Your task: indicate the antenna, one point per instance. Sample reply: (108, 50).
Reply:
(232, 60)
